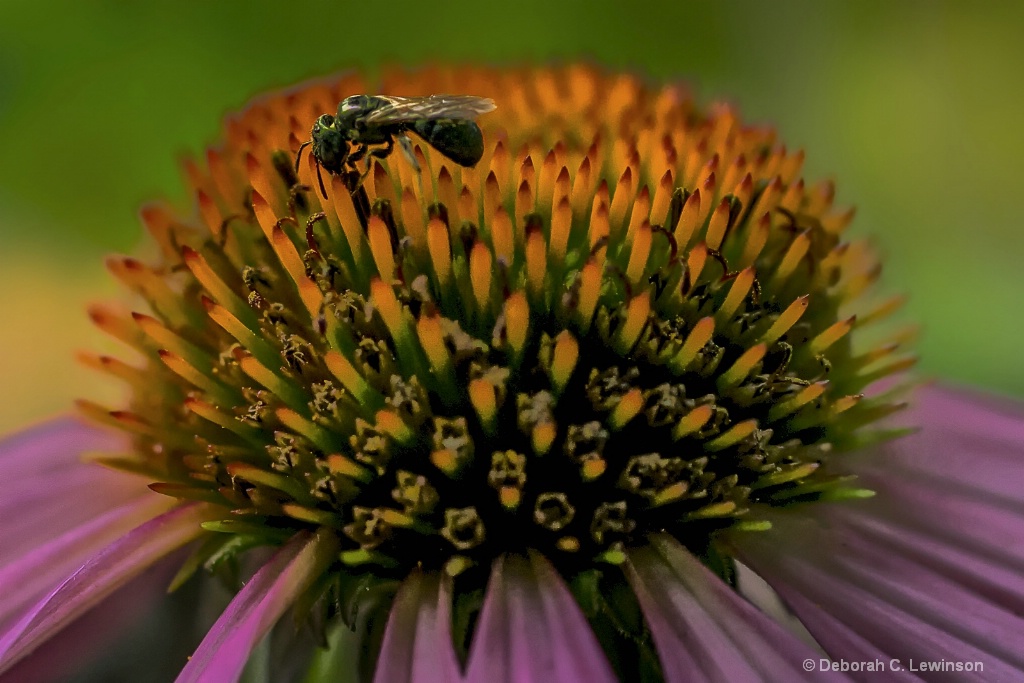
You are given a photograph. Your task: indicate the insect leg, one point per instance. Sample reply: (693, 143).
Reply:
(406, 145)
(357, 155)
(382, 152)
(379, 153)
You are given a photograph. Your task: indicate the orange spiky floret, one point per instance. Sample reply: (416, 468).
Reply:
(627, 302)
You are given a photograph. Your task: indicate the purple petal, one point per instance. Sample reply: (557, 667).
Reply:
(46, 489)
(417, 644)
(101, 630)
(100, 576)
(704, 630)
(929, 569)
(899, 625)
(52, 445)
(224, 651)
(38, 571)
(532, 631)
(970, 443)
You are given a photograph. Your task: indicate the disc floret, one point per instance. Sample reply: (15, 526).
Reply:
(629, 318)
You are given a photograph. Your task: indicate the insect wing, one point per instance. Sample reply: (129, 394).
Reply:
(407, 109)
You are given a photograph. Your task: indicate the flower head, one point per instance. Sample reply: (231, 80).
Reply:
(599, 357)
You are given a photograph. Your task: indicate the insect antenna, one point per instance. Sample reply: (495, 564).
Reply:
(320, 178)
(298, 154)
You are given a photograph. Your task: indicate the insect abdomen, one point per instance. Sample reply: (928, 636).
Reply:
(458, 139)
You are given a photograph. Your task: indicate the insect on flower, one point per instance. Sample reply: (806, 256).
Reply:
(445, 122)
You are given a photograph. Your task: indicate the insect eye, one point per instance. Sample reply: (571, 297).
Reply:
(325, 120)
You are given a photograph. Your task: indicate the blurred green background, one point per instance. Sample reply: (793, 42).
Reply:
(914, 107)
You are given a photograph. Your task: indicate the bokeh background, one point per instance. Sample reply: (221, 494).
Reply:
(915, 108)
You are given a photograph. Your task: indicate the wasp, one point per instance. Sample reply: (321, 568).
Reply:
(445, 122)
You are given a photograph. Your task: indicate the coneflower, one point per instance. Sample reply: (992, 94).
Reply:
(518, 421)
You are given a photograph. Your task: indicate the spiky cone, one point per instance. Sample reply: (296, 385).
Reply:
(622, 338)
